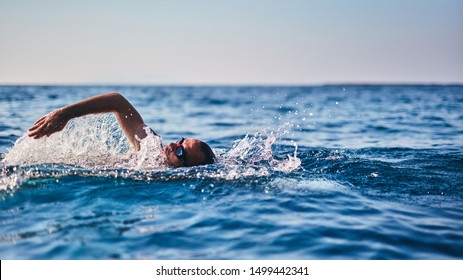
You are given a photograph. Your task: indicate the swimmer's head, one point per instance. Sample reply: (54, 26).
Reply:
(188, 152)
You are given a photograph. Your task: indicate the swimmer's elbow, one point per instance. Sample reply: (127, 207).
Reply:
(115, 95)
(118, 100)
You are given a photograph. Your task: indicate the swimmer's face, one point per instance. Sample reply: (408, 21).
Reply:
(192, 153)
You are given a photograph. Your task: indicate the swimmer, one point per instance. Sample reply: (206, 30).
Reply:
(186, 152)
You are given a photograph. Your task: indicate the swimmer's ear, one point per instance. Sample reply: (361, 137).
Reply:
(209, 156)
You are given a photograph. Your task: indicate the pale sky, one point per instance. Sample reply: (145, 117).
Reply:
(230, 42)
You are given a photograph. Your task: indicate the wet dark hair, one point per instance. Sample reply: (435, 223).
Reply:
(209, 156)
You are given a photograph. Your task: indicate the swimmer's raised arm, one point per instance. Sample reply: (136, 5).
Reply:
(129, 119)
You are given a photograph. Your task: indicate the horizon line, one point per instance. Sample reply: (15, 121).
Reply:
(103, 84)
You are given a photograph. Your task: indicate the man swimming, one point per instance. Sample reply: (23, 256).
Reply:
(186, 152)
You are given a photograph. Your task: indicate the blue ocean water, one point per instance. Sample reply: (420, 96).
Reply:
(321, 172)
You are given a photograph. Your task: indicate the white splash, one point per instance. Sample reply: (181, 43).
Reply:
(95, 141)
(289, 165)
(316, 184)
(150, 156)
(252, 149)
(253, 156)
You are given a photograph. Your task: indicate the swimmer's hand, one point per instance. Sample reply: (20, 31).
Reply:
(47, 125)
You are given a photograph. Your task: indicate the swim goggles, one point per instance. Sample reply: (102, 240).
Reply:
(180, 151)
